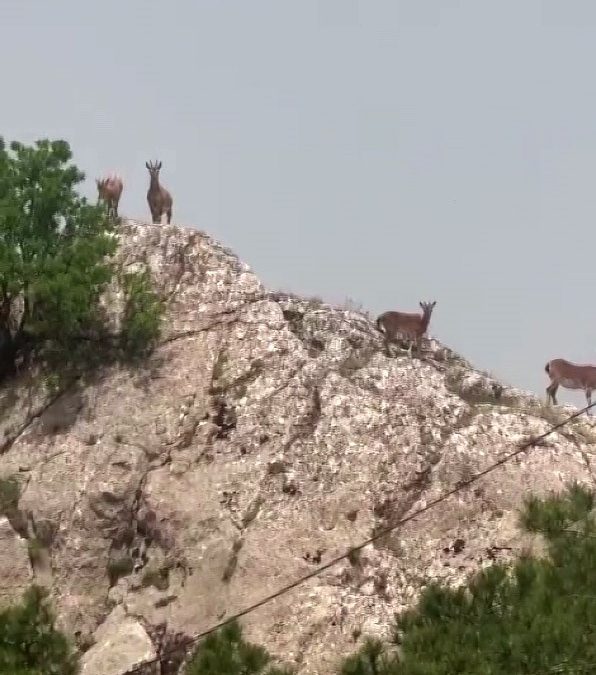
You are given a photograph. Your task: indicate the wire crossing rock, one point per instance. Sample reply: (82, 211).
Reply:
(266, 434)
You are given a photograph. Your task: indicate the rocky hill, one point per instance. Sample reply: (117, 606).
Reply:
(264, 436)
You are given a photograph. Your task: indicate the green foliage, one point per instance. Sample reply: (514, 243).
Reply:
(370, 660)
(29, 643)
(53, 244)
(553, 515)
(119, 567)
(35, 549)
(9, 495)
(537, 616)
(227, 653)
(142, 315)
(55, 261)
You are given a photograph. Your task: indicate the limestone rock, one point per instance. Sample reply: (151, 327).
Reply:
(15, 570)
(266, 435)
(121, 643)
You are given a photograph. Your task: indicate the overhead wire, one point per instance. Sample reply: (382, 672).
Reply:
(461, 485)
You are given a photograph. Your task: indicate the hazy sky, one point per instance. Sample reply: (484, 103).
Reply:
(384, 150)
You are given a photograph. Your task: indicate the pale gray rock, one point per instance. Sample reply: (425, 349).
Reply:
(15, 570)
(265, 435)
(121, 643)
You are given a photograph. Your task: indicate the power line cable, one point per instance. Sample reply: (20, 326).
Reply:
(461, 485)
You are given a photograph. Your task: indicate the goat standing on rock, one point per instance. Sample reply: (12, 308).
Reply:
(570, 376)
(109, 190)
(159, 199)
(406, 325)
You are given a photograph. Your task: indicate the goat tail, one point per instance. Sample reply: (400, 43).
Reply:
(547, 368)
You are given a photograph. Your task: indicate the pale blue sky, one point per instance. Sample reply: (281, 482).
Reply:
(390, 151)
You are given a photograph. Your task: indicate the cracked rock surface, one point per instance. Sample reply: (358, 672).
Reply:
(266, 435)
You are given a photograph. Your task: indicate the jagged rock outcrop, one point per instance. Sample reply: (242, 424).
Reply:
(266, 434)
(120, 641)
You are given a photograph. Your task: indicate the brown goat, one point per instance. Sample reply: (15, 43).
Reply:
(109, 190)
(159, 199)
(406, 325)
(570, 376)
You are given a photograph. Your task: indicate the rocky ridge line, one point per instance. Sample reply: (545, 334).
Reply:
(266, 434)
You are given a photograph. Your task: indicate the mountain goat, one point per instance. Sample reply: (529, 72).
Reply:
(158, 198)
(408, 326)
(109, 190)
(569, 376)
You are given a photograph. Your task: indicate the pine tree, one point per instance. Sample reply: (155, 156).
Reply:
(370, 660)
(29, 642)
(536, 616)
(225, 652)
